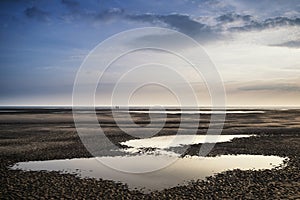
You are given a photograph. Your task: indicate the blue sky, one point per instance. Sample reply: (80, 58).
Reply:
(254, 44)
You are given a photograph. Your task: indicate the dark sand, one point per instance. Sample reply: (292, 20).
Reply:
(50, 134)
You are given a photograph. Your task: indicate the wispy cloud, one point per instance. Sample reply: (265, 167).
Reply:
(110, 14)
(71, 4)
(37, 13)
(229, 18)
(289, 44)
(182, 23)
(269, 23)
(272, 87)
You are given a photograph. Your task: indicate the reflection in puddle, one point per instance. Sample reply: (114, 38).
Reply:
(180, 172)
(156, 153)
(164, 142)
(197, 111)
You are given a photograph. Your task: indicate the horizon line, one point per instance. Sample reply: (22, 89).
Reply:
(167, 106)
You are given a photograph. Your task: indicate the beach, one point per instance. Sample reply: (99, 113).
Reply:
(50, 134)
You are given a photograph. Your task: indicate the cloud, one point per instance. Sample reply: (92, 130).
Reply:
(231, 17)
(36, 13)
(272, 87)
(289, 44)
(182, 23)
(71, 4)
(268, 23)
(261, 9)
(223, 25)
(231, 22)
(110, 14)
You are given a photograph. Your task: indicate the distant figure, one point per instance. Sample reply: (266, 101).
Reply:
(117, 107)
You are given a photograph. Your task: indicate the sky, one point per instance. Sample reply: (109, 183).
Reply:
(254, 45)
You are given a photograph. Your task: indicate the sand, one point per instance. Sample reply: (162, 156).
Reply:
(46, 134)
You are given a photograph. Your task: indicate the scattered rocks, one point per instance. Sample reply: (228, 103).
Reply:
(28, 141)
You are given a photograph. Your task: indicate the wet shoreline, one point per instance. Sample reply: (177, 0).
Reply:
(56, 138)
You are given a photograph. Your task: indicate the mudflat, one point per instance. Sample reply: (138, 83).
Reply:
(47, 134)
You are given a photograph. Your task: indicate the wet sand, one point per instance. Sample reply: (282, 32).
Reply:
(39, 134)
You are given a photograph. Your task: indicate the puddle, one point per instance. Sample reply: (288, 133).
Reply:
(164, 142)
(172, 170)
(196, 111)
(179, 173)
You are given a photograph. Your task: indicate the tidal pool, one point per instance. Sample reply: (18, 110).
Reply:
(197, 111)
(164, 142)
(178, 173)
